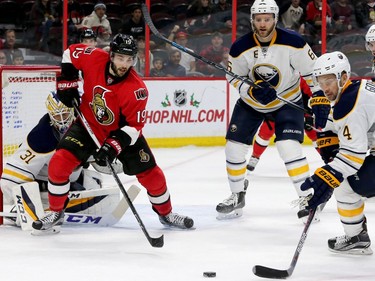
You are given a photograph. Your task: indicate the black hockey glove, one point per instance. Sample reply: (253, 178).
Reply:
(321, 107)
(324, 180)
(109, 151)
(67, 91)
(264, 94)
(309, 122)
(112, 147)
(328, 145)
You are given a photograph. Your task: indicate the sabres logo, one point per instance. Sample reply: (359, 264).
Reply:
(99, 106)
(268, 73)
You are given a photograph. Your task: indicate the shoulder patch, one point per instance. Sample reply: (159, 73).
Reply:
(141, 94)
(242, 44)
(290, 38)
(41, 138)
(347, 101)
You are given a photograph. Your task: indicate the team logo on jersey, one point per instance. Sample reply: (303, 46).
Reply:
(99, 106)
(141, 94)
(145, 157)
(268, 73)
(180, 97)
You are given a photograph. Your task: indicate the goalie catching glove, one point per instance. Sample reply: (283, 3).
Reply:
(324, 180)
(321, 107)
(328, 144)
(264, 94)
(67, 91)
(112, 147)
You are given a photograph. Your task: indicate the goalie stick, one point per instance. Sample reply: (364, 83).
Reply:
(148, 21)
(155, 242)
(272, 273)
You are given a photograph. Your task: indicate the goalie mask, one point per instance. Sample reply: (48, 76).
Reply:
(61, 116)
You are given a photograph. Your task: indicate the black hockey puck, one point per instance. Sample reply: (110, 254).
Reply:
(209, 274)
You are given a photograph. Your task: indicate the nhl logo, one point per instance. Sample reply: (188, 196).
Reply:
(180, 97)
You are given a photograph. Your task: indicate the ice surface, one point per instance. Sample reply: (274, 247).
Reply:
(267, 234)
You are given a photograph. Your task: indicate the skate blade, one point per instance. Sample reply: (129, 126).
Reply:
(232, 215)
(52, 230)
(357, 252)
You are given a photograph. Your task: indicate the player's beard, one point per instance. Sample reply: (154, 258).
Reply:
(118, 71)
(264, 35)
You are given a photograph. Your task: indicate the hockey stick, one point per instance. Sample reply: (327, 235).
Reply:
(267, 272)
(148, 20)
(155, 242)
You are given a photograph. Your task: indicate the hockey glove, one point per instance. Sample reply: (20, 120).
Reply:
(328, 145)
(309, 122)
(264, 94)
(67, 91)
(108, 152)
(321, 107)
(324, 180)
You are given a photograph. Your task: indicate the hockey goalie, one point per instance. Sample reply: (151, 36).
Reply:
(25, 175)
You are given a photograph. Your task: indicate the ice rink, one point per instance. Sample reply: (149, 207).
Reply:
(267, 234)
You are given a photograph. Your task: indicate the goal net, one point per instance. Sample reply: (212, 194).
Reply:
(24, 91)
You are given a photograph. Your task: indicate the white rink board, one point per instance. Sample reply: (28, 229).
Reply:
(23, 101)
(186, 108)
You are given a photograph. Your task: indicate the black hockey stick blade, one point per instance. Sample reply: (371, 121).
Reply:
(157, 242)
(272, 273)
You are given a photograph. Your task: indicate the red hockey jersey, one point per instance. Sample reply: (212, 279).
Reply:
(108, 103)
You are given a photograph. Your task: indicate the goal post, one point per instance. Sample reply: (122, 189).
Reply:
(23, 95)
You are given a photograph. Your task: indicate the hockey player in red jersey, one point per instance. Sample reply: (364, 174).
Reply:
(113, 102)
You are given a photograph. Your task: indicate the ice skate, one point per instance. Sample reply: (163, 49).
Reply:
(303, 213)
(176, 220)
(252, 163)
(231, 207)
(356, 245)
(49, 224)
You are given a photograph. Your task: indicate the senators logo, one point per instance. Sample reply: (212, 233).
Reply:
(145, 157)
(99, 106)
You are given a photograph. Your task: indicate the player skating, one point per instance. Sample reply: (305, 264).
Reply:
(274, 58)
(349, 170)
(113, 103)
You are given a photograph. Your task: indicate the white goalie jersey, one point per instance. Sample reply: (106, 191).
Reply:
(280, 64)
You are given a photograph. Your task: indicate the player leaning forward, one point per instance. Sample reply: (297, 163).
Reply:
(274, 58)
(350, 175)
(113, 103)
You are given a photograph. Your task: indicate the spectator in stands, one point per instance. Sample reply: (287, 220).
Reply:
(158, 68)
(41, 19)
(98, 22)
(173, 67)
(75, 17)
(135, 26)
(223, 15)
(199, 17)
(18, 58)
(3, 58)
(181, 38)
(140, 61)
(214, 52)
(314, 17)
(365, 13)
(341, 15)
(9, 44)
(292, 16)
(224, 64)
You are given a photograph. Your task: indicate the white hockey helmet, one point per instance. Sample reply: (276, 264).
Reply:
(370, 36)
(61, 116)
(264, 7)
(332, 63)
